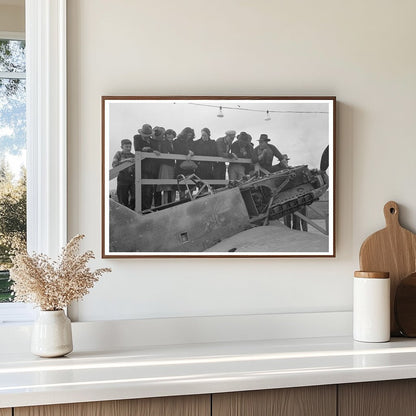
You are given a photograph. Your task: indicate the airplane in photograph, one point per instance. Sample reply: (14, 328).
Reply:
(202, 220)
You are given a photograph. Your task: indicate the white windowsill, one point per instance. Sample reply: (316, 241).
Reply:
(16, 313)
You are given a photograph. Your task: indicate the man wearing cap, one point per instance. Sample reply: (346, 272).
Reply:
(242, 148)
(264, 153)
(143, 143)
(224, 150)
(125, 178)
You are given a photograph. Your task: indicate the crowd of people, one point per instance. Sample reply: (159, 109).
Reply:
(160, 140)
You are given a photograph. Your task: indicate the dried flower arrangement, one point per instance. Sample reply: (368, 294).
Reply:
(52, 285)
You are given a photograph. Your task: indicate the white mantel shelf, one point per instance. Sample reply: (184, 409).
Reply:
(169, 370)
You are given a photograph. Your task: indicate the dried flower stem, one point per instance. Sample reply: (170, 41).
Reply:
(53, 285)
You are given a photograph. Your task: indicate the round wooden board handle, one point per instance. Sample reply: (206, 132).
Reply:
(391, 214)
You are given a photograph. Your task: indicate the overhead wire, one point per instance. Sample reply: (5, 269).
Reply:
(259, 111)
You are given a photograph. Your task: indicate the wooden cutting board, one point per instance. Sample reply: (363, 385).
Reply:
(393, 250)
(405, 306)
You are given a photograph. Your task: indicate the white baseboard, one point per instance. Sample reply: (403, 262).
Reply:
(111, 335)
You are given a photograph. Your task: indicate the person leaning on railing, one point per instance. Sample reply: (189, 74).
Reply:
(224, 150)
(143, 143)
(263, 155)
(242, 148)
(205, 147)
(167, 168)
(183, 145)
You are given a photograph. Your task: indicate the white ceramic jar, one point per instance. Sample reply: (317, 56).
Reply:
(52, 334)
(371, 307)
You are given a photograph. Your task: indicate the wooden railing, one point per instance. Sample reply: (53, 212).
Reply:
(139, 156)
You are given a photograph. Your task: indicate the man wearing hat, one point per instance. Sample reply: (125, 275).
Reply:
(143, 143)
(142, 139)
(224, 150)
(242, 148)
(264, 153)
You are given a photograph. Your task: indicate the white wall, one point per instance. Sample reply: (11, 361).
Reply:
(361, 51)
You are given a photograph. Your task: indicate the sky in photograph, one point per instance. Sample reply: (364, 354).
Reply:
(299, 129)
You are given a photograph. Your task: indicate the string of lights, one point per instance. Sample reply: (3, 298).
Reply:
(268, 112)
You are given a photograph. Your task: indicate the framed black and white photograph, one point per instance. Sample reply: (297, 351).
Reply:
(218, 176)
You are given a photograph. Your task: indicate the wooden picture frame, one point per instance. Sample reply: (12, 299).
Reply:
(165, 192)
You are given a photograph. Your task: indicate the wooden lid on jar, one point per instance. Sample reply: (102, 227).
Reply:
(372, 275)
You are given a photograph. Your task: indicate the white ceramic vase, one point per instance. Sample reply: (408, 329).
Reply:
(52, 334)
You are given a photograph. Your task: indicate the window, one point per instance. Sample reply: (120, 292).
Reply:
(46, 135)
(12, 155)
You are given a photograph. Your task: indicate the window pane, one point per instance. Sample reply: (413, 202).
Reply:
(12, 56)
(12, 117)
(12, 160)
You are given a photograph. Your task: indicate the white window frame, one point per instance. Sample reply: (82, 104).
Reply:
(46, 134)
(46, 125)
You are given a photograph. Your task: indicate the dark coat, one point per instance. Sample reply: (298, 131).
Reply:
(245, 151)
(264, 157)
(182, 146)
(150, 167)
(276, 152)
(205, 148)
(167, 147)
(242, 150)
(223, 148)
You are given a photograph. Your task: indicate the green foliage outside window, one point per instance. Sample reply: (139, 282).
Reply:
(12, 224)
